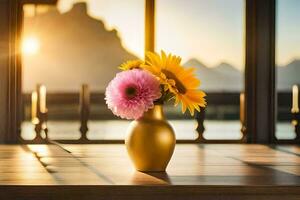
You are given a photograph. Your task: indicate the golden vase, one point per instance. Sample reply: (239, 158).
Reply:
(150, 141)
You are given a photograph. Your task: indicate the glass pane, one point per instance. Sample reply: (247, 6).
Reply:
(77, 43)
(208, 35)
(287, 62)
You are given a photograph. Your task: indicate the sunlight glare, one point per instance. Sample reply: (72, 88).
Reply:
(30, 45)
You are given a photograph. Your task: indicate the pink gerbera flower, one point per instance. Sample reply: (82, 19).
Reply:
(131, 93)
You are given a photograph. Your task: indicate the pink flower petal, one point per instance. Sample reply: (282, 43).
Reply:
(132, 106)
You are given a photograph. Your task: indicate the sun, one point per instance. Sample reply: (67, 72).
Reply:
(30, 45)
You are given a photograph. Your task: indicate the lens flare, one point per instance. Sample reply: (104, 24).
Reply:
(30, 45)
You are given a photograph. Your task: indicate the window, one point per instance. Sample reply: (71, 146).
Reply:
(287, 63)
(208, 35)
(73, 44)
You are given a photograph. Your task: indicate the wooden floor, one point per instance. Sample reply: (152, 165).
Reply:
(88, 172)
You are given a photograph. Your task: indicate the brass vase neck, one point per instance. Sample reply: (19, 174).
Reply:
(155, 113)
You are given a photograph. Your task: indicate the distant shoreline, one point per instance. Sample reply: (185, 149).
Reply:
(221, 106)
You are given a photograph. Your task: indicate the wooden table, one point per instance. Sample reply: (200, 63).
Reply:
(96, 172)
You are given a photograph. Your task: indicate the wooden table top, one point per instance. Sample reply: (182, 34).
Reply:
(226, 169)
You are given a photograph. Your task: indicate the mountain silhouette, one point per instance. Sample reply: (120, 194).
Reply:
(222, 78)
(227, 69)
(226, 78)
(288, 75)
(74, 49)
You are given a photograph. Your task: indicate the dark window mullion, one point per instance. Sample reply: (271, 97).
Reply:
(260, 71)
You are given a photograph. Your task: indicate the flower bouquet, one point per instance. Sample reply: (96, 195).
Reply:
(138, 93)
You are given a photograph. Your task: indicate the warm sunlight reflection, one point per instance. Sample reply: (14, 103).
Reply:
(30, 45)
(39, 149)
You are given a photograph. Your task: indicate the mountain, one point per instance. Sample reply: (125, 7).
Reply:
(224, 77)
(206, 75)
(74, 49)
(227, 69)
(288, 75)
(232, 78)
(194, 62)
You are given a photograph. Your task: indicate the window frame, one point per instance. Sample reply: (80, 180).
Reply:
(260, 91)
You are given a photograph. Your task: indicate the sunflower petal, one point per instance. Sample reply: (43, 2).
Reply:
(181, 82)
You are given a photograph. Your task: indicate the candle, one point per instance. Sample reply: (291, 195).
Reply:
(295, 107)
(43, 92)
(242, 108)
(34, 98)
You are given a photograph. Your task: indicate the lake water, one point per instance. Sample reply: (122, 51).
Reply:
(116, 129)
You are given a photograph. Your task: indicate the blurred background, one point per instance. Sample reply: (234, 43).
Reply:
(84, 42)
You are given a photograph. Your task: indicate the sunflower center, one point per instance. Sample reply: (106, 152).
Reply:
(130, 92)
(179, 85)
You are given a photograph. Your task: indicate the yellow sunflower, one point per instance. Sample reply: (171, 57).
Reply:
(131, 64)
(176, 79)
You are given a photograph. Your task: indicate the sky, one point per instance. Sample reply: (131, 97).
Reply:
(126, 16)
(212, 31)
(287, 31)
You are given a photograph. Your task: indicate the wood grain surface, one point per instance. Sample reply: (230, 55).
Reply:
(210, 171)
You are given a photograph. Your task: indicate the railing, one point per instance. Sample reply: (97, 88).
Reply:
(85, 99)
(71, 100)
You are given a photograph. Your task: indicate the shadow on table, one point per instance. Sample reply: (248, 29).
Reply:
(151, 178)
